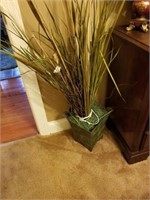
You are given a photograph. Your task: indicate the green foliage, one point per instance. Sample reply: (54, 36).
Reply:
(77, 61)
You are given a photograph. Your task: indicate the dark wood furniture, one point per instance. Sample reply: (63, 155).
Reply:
(130, 119)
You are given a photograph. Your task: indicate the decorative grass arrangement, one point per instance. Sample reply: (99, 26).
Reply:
(78, 61)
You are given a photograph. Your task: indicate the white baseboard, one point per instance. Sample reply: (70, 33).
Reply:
(57, 126)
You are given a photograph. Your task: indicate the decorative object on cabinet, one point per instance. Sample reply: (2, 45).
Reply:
(141, 15)
(75, 63)
(130, 119)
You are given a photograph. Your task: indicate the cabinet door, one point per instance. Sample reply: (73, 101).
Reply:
(130, 70)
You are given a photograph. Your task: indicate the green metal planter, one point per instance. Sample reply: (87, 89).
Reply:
(85, 132)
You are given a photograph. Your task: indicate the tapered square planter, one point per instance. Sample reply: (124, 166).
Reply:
(86, 133)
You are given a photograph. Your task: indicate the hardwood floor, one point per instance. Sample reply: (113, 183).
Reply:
(16, 117)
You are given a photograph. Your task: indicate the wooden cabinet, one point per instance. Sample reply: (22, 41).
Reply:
(130, 118)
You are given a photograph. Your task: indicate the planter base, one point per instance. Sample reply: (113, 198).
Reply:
(88, 138)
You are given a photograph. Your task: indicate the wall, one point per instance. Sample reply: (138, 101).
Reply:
(126, 14)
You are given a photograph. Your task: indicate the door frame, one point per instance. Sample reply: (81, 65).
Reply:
(29, 77)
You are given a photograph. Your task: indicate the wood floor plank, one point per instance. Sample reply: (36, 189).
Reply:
(16, 117)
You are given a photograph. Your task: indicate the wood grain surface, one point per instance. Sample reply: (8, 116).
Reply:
(16, 117)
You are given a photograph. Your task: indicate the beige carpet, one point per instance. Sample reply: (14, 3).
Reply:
(57, 167)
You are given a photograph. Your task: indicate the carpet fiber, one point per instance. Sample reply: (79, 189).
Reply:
(57, 167)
